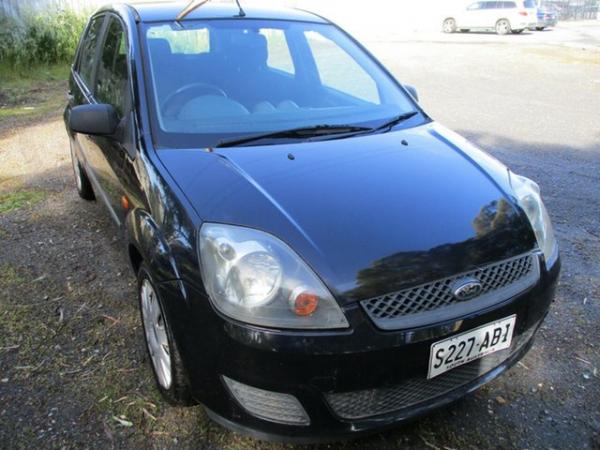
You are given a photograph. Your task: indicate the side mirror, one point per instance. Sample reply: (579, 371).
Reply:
(412, 91)
(95, 119)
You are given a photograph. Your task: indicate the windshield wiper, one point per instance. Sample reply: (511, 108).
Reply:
(294, 133)
(396, 120)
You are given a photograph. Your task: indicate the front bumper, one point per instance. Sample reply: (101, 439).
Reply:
(547, 22)
(319, 367)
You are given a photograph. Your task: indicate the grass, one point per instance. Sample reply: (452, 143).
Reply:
(9, 276)
(28, 95)
(16, 200)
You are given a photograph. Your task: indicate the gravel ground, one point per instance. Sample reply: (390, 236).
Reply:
(73, 371)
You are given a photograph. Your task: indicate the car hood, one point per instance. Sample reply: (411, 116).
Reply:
(370, 214)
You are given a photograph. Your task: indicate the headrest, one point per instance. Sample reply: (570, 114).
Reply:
(249, 49)
(159, 48)
(211, 106)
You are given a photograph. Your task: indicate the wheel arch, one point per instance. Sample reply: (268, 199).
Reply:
(135, 258)
(146, 243)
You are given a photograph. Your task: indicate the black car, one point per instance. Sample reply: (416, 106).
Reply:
(316, 257)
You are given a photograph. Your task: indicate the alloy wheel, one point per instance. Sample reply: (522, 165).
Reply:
(449, 26)
(156, 334)
(503, 27)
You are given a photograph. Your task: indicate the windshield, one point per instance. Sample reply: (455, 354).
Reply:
(221, 79)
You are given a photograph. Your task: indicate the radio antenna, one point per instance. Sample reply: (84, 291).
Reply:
(241, 13)
(194, 4)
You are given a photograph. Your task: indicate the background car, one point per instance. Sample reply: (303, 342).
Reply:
(546, 17)
(503, 17)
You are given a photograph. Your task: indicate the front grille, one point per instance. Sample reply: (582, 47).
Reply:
(409, 307)
(373, 402)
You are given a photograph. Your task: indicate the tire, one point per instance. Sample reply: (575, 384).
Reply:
(540, 28)
(503, 27)
(170, 375)
(449, 25)
(464, 30)
(82, 182)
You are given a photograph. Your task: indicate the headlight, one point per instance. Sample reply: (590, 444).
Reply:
(253, 277)
(528, 196)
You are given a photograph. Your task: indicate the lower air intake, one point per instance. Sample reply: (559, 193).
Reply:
(373, 402)
(268, 405)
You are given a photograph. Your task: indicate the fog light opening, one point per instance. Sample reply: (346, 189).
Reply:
(272, 406)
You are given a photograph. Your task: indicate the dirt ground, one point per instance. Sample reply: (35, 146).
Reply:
(73, 370)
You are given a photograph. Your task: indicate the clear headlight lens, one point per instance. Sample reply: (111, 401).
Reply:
(253, 277)
(528, 196)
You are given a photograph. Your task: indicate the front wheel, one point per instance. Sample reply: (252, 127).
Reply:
(449, 25)
(539, 28)
(503, 27)
(170, 375)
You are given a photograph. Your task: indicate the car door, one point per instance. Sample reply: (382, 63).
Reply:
(81, 87)
(472, 16)
(107, 154)
(490, 14)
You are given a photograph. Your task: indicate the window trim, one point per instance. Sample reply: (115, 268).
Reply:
(475, 6)
(130, 102)
(77, 66)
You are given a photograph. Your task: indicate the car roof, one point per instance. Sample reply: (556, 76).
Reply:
(165, 10)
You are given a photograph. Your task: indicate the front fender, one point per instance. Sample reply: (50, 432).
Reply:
(145, 235)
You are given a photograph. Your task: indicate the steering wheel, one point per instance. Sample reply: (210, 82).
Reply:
(175, 101)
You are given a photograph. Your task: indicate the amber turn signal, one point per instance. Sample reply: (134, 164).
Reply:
(124, 202)
(305, 304)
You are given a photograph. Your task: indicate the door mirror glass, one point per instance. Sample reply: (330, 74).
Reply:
(99, 119)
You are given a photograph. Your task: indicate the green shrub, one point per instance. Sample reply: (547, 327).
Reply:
(39, 39)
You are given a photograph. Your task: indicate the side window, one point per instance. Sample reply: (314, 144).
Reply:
(279, 53)
(474, 6)
(340, 71)
(492, 5)
(88, 50)
(111, 81)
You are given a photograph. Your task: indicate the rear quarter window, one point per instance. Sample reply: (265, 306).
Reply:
(279, 56)
(338, 70)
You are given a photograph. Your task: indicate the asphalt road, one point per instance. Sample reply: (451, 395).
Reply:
(73, 372)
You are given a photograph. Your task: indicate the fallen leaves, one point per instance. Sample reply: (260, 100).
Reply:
(122, 420)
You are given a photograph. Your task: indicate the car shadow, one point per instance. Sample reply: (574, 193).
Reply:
(492, 33)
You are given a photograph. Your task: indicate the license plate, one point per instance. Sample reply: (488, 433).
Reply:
(471, 345)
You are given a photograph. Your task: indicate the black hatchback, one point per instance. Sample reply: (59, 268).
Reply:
(316, 257)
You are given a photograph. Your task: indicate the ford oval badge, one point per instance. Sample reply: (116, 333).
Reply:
(466, 288)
